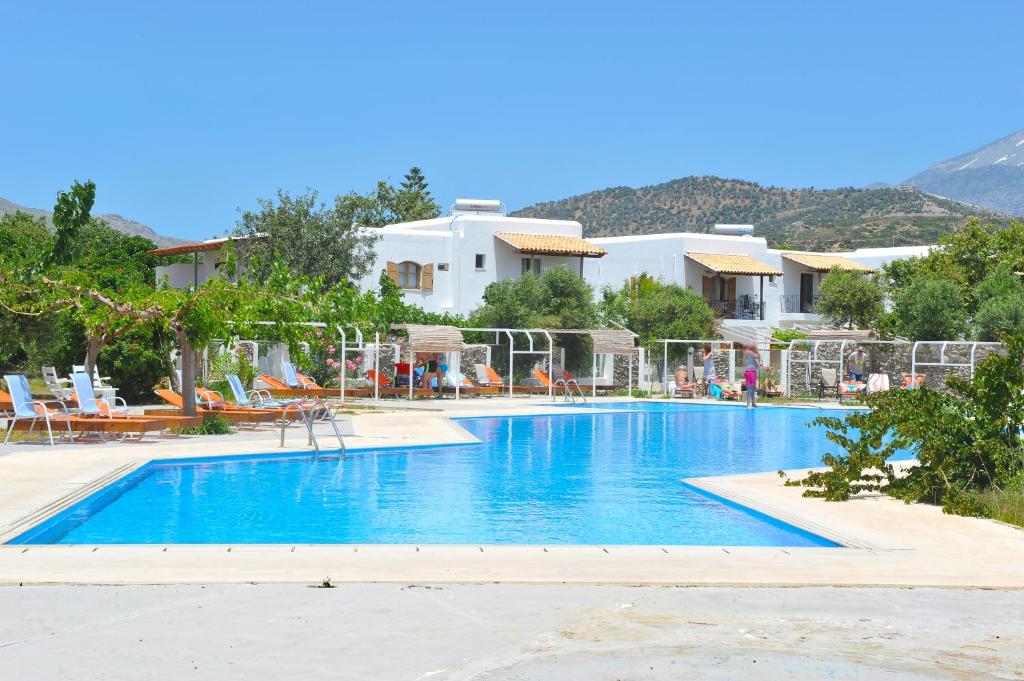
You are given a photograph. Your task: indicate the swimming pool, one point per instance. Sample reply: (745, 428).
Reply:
(594, 478)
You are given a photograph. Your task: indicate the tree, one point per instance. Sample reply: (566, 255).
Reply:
(557, 299)
(931, 309)
(70, 214)
(413, 201)
(1000, 306)
(24, 240)
(850, 299)
(965, 257)
(656, 310)
(309, 237)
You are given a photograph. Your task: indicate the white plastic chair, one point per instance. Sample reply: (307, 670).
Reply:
(60, 387)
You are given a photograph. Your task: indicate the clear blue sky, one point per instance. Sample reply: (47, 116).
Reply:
(184, 111)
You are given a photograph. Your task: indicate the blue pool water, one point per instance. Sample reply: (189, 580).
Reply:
(601, 478)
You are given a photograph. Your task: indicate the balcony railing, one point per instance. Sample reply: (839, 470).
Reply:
(797, 304)
(741, 308)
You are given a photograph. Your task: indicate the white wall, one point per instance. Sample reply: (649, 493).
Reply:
(183, 275)
(456, 241)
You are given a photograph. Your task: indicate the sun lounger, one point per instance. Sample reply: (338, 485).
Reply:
(683, 387)
(851, 389)
(264, 402)
(720, 390)
(100, 384)
(27, 413)
(251, 416)
(297, 385)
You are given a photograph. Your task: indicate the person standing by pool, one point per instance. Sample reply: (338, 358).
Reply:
(856, 362)
(709, 363)
(430, 371)
(751, 364)
(442, 370)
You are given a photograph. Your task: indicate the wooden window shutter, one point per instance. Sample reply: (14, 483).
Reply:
(427, 277)
(709, 289)
(730, 294)
(393, 271)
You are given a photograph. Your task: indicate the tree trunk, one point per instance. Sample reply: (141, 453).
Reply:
(188, 376)
(92, 354)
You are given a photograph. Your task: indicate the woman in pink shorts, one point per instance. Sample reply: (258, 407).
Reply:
(751, 364)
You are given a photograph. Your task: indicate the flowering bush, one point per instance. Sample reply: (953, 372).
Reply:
(323, 360)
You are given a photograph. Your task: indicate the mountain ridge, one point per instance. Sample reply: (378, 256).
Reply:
(112, 220)
(819, 219)
(991, 176)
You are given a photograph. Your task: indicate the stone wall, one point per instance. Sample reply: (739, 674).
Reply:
(894, 360)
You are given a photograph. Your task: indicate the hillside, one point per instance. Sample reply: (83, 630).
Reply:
(113, 220)
(991, 176)
(820, 219)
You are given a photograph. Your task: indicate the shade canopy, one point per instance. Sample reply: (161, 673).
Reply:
(606, 341)
(551, 244)
(612, 341)
(429, 338)
(825, 263)
(733, 263)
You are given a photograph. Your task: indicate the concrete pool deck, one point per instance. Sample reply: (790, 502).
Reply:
(886, 542)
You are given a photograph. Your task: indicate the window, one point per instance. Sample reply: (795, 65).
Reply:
(531, 263)
(481, 261)
(408, 275)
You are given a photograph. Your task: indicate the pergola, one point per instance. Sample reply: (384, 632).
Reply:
(429, 338)
(531, 349)
(942, 363)
(665, 342)
(607, 342)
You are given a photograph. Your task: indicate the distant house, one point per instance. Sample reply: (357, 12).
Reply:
(205, 262)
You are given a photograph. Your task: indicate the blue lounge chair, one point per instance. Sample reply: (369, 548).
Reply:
(27, 409)
(89, 404)
(253, 399)
(291, 377)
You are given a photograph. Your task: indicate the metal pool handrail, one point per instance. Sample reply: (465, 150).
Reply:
(308, 419)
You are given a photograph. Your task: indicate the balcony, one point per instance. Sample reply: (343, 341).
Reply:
(741, 308)
(797, 304)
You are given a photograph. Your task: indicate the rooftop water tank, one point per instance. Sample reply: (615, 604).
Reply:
(733, 230)
(462, 206)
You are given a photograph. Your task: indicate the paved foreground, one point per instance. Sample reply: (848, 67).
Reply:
(492, 632)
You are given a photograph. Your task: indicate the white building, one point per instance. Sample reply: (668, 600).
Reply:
(445, 263)
(750, 286)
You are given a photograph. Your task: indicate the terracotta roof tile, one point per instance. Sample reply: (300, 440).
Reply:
(733, 263)
(551, 244)
(824, 263)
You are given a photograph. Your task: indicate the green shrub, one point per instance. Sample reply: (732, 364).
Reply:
(212, 425)
(966, 443)
(136, 363)
(229, 362)
(788, 335)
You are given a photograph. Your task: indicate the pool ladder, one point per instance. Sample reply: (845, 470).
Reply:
(316, 410)
(567, 386)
